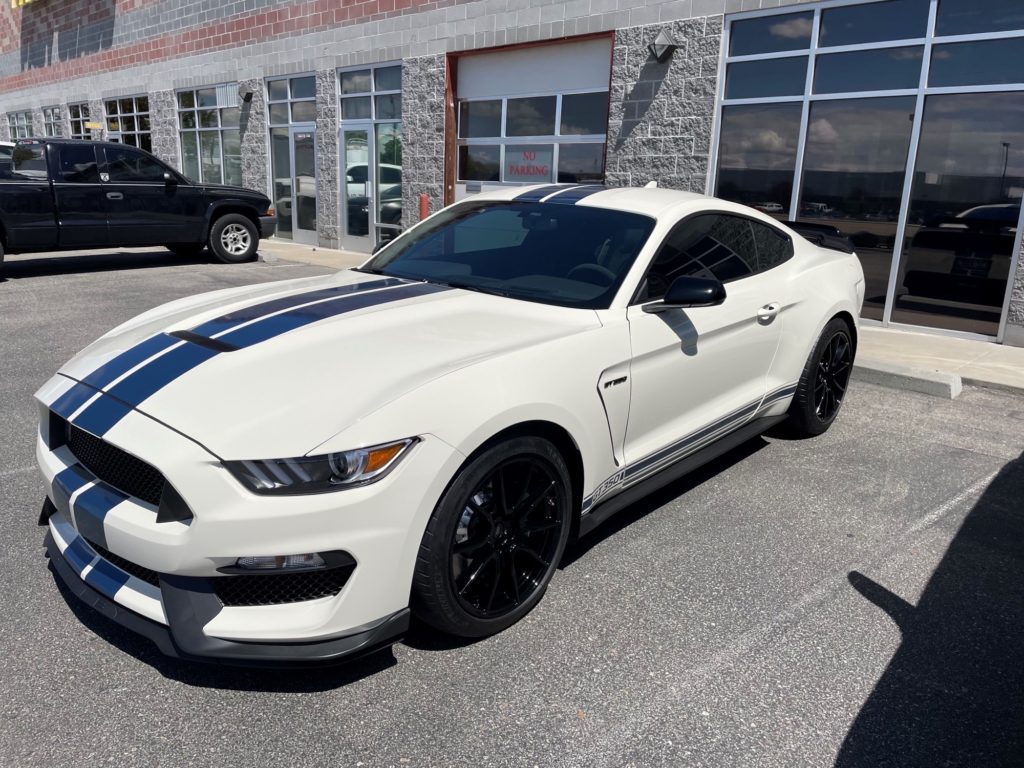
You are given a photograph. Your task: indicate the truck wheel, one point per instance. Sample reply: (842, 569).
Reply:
(187, 250)
(233, 239)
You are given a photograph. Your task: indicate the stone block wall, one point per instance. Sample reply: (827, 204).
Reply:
(163, 127)
(422, 135)
(254, 137)
(327, 187)
(661, 115)
(1015, 317)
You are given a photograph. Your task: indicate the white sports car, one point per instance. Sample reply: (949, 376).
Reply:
(283, 472)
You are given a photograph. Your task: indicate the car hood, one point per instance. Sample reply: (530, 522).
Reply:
(274, 371)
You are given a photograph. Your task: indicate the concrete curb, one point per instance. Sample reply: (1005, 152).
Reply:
(924, 380)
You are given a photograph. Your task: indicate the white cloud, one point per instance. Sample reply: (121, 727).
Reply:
(822, 132)
(794, 29)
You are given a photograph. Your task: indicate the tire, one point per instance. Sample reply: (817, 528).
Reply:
(822, 387)
(187, 250)
(234, 239)
(483, 565)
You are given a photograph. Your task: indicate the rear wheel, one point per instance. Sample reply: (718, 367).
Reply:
(187, 250)
(233, 238)
(494, 540)
(824, 380)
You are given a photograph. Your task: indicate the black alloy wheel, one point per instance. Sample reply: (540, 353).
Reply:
(824, 381)
(834, 369)
(495, 539)
(507, 537)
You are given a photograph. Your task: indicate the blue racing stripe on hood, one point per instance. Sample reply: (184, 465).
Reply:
(107, 410)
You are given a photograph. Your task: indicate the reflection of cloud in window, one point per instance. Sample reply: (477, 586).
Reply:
(793, 29)
(762, 137)
(906, 54)
(822, 131)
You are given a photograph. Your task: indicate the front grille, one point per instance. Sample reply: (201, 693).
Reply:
(133, 569)
(116, 467)
(280, 588)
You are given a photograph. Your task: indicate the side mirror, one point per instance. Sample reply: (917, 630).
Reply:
(686, 292)
(170, 178)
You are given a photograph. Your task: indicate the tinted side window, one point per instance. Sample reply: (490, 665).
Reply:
(77, 165)
(710, 245)
(127, 165)
(773, 247)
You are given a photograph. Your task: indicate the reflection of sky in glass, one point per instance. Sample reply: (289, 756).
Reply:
(874, 22)
(978, 63)
(963, 134)
(881, 70)
(772, 77)
(790, 32)
(859, 135)
(761, 136)
(964, 17)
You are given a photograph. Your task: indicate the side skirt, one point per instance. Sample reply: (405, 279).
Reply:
(684, 466)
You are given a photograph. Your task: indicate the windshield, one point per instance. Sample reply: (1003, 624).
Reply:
(569, 255)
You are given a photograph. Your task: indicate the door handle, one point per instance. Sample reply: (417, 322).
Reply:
(768, 312)
(115, 196)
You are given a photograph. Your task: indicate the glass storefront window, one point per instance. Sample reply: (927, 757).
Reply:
(771, 34)
(79, 114)
(985, 62)
(480, 162)
(20, 125)
(964, 209)
(771, 77)
(125, 121)
(479, 119)
(757, 155)
(884, 69)
(581, 163)
(534, 116)
(53, 121)
(854, 165)
(584, 114)
(969, 17)
(894, 20)
(206, 117)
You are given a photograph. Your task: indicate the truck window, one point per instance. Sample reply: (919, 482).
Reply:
(77, 165)
(29, 162)
(128, 165)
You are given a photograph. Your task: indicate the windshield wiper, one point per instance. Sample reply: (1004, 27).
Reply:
(477, 288)
(369, 270)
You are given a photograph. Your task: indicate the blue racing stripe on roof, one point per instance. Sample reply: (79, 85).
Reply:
(106, 578)
(270, 327)
(256, 311)
(574, 194)
(91, 508)
(536, 195)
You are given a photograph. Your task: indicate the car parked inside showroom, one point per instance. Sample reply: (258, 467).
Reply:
(284, 473)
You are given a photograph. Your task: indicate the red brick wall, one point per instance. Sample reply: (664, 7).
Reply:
(236, 31)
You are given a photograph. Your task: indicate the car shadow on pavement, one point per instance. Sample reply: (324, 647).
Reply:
(659, 498)
(953, 693)
(46, 265)
(237, 678)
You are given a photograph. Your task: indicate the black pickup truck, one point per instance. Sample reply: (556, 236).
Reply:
(63, 194)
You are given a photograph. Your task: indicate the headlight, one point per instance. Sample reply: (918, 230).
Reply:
(320, 474)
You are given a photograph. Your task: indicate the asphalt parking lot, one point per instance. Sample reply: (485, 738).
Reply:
(853, 600)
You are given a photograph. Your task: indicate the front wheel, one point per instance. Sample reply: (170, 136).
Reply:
(824, 380)
(233, 238)
(495, 539)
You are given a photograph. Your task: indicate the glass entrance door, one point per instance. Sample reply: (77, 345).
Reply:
(293, 161)
(357, 189)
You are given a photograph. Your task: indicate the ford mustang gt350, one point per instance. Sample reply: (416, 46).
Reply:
(285, 472)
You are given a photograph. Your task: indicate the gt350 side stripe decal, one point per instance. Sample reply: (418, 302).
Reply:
(107, 410)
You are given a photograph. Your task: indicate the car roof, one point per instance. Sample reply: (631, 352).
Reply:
(656, 202)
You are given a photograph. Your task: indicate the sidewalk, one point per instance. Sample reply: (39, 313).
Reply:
(919, 361)
(979, 363)
(283, 250)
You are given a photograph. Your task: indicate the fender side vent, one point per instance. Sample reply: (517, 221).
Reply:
(203, 341)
